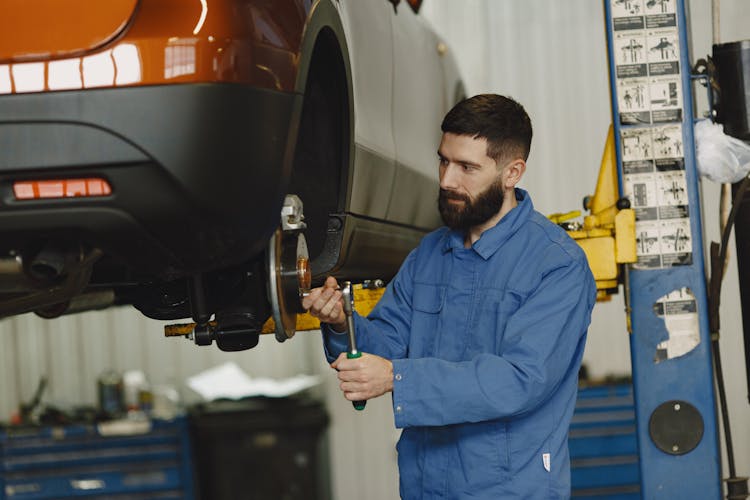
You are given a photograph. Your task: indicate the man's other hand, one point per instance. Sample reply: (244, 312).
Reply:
(363, 378)
(325, 304)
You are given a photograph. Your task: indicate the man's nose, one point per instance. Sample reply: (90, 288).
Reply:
(449, 177)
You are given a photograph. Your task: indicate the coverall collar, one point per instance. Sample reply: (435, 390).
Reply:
(492, 239)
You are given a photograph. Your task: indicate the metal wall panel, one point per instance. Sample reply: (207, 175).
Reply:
(72, 351)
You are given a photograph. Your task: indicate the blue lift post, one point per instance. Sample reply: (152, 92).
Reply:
(652, 103)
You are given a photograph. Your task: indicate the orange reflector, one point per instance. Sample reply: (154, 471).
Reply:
(61, 188)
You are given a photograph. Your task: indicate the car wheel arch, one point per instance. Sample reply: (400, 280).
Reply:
(324, 67)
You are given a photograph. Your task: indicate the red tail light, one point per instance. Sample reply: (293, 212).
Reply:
(61, 188)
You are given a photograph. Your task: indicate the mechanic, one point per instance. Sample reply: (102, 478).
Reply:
(480, 335)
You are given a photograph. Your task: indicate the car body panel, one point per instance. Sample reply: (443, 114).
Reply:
(368, 29)
(168, 42)
(164, 148)
(33, 29)
(416, 140)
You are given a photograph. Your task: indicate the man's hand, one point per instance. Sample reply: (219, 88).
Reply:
(325, 304)
(363, 378)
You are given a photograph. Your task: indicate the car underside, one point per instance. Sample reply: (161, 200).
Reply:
(171, 193)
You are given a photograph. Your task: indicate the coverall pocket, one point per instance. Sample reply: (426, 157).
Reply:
(428, 298)
(483, 452)
(427, 302)
(488, 328)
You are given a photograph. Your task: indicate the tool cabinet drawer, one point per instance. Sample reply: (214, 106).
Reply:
(603, 445)
(92, 462)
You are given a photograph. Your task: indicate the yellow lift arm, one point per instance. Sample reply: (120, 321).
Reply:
(607, 234)
(364, 301)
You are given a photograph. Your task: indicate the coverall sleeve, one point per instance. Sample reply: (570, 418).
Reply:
(386, 332)
(541, 344)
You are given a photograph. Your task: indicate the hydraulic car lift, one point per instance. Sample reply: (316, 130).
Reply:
(649, 164)
(665, 289)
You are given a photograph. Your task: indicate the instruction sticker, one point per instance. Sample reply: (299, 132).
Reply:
(679, 311)
(662, 52)
(630, 54)
(671, 189)
(637, 147)
(663, 243)
(668, 150)
(646, 51)
(627, 15)
(633, 101)
(661, 13)
(666, 99)
(647, 246)
(662, 210)
(641, 190)
(676, 243)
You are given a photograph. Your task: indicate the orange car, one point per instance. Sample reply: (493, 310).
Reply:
(147, 148)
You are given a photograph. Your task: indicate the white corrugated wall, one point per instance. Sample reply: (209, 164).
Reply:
(548, 54)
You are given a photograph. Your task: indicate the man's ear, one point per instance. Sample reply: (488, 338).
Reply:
(513, 172)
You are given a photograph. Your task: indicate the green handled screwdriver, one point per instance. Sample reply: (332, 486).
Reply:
(348, 292)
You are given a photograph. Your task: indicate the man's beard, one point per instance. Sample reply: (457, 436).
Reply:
(472, 213)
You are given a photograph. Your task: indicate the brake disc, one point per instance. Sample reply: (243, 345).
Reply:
(289, 272)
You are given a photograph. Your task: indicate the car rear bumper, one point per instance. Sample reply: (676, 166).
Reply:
(198, 171)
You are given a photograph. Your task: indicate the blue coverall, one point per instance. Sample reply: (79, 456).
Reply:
(486, 343)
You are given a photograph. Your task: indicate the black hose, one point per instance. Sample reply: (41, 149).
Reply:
(724, 408)
(718, 256)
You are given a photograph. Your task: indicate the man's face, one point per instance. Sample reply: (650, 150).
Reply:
(471, 187)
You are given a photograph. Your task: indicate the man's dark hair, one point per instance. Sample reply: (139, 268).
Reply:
(499, 119)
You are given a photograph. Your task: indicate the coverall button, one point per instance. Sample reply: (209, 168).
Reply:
(398, 376)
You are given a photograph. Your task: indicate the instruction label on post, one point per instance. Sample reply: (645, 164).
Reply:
(654, 181)
(676, 243)
(630, 50)
(679, 311)
(663, 52)
(665, 99)
(633, 100)
(661, 13)
(647, 244)
(646, 46)
(668, 150)
(646, 51)
(640, 189)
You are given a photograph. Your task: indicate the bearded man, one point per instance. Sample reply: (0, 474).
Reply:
(480, 336)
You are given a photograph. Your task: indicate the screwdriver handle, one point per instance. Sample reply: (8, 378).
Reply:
(348, 295)
(358, 405)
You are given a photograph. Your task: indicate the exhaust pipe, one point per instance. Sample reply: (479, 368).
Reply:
(87, 301)
(65, 275)
(52, 262)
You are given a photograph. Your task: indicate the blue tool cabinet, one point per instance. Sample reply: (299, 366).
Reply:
(78, 461)
(603, 445)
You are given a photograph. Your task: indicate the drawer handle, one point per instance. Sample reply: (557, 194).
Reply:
(88, 484)
(21, 489)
